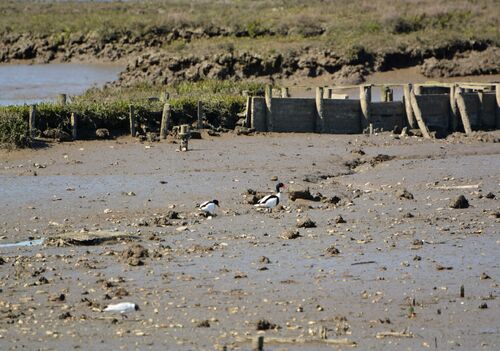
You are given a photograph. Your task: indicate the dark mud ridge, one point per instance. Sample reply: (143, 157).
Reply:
(159, 67)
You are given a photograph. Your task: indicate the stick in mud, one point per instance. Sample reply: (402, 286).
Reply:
(258, 343)
(462, 291)
(199, 124)
(74, 125)
(165, 120)
(32, 120)
(131, 114)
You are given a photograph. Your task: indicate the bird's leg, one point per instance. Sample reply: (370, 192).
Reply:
(124, 316)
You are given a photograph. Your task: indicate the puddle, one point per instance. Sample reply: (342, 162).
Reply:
(24, 243)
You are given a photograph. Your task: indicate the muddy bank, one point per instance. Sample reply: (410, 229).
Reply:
(382, 267)
(147, 60)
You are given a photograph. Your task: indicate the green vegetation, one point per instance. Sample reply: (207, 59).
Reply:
(109, 108)
(334, 24)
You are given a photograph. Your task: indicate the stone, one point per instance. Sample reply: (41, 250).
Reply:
(460, 202)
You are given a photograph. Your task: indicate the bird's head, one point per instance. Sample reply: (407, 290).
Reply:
(216, 202)
(136, 307)
(279, 186)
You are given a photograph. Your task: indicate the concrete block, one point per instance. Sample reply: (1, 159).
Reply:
(386, 115)
(294, 115)
(488, 111)
(435, 109)
(341, 116)
(258, 117)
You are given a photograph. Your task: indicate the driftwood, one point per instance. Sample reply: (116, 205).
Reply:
(471, 186)
(302, 340)
(403, 334)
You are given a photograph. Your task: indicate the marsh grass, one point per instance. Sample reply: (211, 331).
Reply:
(109, 108)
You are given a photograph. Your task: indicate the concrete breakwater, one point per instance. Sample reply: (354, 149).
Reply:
(440, 108)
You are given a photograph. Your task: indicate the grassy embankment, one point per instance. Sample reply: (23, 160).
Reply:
(262, 26)
(109, 108)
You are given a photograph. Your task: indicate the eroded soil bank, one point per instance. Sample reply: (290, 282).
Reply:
(395, 262)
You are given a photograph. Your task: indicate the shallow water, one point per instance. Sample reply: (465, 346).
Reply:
(23, 243)
(27, 84)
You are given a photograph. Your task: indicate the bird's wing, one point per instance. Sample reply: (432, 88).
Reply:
(264, 199)
(204, 204)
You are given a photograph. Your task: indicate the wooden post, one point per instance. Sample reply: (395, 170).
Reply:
(418, 116)
(199, 124)
(463, 111)
(258, 343)
(453, 108)
(165, 120)
(417, 89)
(131, 114)
(284, 92)
(269, 110)
(164, 96)
(365, 98)
(497, 92)
(389, 95)
(480, 96)
(248, 112)
(409, 111)
(74, 126)
(319, 109)
(61, 99)
(32, 120)
(329, 93)
(383, 93)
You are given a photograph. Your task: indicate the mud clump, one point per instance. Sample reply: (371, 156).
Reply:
(306, 223)
(2, 261)
(264, 324)
(380, 158)
(290, 234)
(134, 254)
(298, 192)
(57, 134)
(339, 220)
(331, 251)
(203, 324)
(405, 194)
(460, 202)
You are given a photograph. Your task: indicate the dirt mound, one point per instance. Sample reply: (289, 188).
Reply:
(464, 64)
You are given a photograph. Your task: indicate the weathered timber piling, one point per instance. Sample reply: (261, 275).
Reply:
(389, 95)
(131, 115)
(320, 111)
(417, 89)
(61, 99)
(464, 114)
(365, 99)
(480, 95)
(497, 92)
(268, 94)
(199, 123)
(453, 108)
(418, 116)
(32, 121)
(74, 126)
(166, 116)
(385, 94)
(248, 112)
(409, 111)
(285, 92)
(329, 93)
(258, 343)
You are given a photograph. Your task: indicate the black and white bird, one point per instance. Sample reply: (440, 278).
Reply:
(271, 201)
(122, 308)
(209, 207)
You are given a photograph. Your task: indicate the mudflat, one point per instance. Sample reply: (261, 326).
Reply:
(380, 264)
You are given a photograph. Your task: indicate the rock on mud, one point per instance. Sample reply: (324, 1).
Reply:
(264, 324)
(102, 133)
(405, 194)
(290, 234)
(300, 192)
(332, 251)
(306, 223)
(460, 202)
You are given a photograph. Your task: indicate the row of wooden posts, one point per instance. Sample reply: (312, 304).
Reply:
(166, 118)
(413, 111)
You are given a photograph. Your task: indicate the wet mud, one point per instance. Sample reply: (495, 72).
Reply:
(379, 269)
